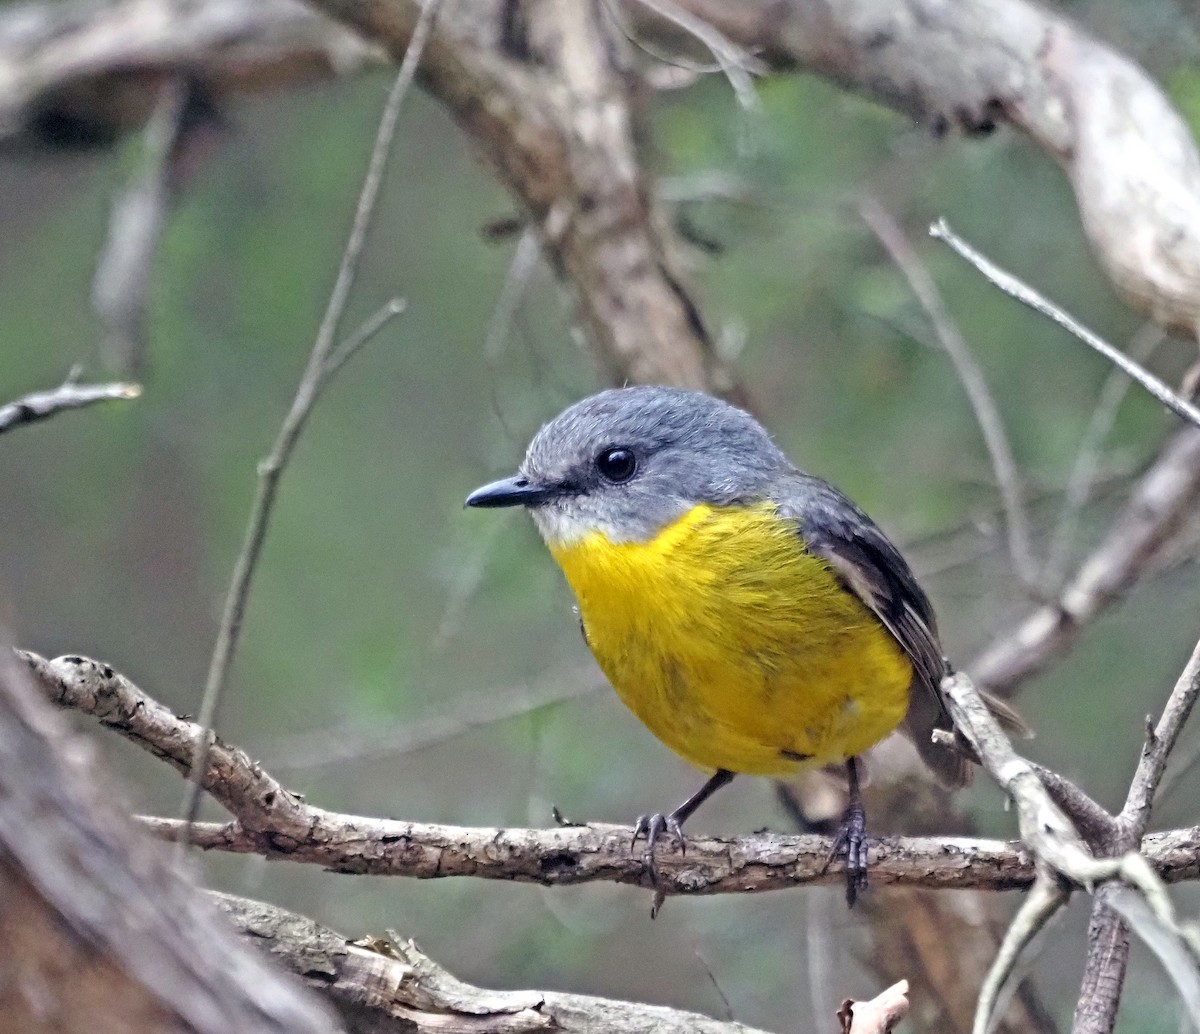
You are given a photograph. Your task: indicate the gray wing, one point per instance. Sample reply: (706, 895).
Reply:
(872, 568)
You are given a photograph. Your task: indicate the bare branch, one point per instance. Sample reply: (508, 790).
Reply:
(973, 64)
(1160, 742)
(983, 405)
(1055, 843)
(1108, 939)
(390, 987)
(121, 285)
(1157, 507)
(98, 931)
(276, 823)
(371, 326)
(1045, 899)
(1087, 460)
(1094, 822)
(323, 361)
(40, 405)
(977, 64)
(1025, 294)
(552, 110)
(81, 73)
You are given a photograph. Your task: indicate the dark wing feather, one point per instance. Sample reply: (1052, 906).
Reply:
(867, 563)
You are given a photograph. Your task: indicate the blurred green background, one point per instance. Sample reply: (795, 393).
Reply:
(383, 610)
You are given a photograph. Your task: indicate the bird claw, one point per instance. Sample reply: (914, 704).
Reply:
(653, 827)
(851, 843)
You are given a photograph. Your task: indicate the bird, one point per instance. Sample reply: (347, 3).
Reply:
(755, 619)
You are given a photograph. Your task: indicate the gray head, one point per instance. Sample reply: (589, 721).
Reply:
(629, 461)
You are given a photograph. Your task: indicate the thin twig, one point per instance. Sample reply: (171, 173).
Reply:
(1159, 745)
(1025, 294)
(369, 327)
(475, 711)
(736, 63)
(1045, 899)
(520, 270)
(121, 284)
(970, 374)
(314, 378)
(40, 405)
(1087, 460)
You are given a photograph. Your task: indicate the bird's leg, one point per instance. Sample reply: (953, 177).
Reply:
(654, 826)
(852, 838)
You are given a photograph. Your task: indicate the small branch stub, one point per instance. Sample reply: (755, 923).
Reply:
(41, 405)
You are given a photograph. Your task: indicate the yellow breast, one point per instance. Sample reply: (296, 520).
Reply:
(735, 645)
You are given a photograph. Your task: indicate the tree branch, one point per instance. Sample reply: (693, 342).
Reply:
(1060, 851)
(1108, 933)
(273, 822)
(1026, 295)
(324, 361)
(552, 111)
(975, 64)
(88, 71)
(1160, 741)
(970, 375)
(1157, 507)
(41, 405)
(97, 931)
(383, 986)
(82, 73)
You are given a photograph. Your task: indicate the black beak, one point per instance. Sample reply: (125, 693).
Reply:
(513, 491)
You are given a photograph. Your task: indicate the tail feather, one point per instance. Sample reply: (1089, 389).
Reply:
(952, 764)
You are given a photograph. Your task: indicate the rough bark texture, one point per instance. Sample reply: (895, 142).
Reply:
(976, 64)
(83, 72)
(380, 986)
(98, 934)
(544, 97)
(278, 824)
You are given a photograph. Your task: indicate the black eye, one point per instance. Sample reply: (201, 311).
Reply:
(616, 464)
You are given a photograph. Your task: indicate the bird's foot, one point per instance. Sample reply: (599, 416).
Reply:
(851, 843)
(653, 828)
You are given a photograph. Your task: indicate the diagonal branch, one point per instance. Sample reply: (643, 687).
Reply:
(324, 361)
(549, 103)
(98, 931)
(1026, 295)
(1160, 741)
(1161, 502)
(983, 405)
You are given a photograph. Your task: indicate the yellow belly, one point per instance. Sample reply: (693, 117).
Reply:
(734, 645)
